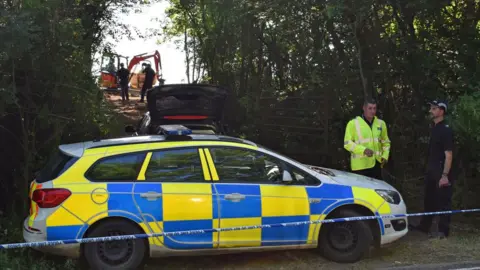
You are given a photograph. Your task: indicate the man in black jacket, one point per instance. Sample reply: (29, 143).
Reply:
(122, 75)
(148, 82)
(439, 178)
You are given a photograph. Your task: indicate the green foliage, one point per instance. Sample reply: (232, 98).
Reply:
(48, 95)
(467, 119)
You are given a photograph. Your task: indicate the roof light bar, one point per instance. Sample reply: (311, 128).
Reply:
(175, 130)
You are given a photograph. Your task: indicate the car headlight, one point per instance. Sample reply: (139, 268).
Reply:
(389, 195)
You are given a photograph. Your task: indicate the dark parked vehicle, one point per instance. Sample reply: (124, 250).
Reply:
(198, 107)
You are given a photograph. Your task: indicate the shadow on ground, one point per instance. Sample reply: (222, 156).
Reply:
(414, 249)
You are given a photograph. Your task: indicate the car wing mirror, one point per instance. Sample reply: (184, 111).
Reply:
(130, 129)
(287, 177)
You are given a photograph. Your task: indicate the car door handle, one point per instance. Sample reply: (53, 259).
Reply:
(314, 200)
(234, 197)
(151, 195)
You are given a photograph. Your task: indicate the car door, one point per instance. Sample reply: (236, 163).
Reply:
(174, 193)
(250, 192)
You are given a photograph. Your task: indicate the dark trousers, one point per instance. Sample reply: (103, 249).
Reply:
(374, 172)
(124, 89)
(145, 87)
(436, 199)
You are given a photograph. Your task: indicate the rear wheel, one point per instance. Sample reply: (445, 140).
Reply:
(345, 242)
(123, 254)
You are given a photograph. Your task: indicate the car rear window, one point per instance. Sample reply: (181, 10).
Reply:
(123, 167)
(58, 163)
(184, 101)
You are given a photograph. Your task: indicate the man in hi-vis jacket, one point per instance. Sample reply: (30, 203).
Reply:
(366, 138)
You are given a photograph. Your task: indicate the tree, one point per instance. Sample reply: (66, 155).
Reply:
(47, 92)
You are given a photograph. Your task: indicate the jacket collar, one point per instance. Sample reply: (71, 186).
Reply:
(364, 119)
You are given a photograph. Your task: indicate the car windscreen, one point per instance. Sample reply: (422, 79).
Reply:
(55, 166)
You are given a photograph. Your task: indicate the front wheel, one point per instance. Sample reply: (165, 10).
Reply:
(345, 242)
(122, 254)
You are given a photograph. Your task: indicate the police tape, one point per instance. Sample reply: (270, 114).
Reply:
(252, 227)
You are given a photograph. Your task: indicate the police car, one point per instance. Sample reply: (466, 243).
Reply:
(179, 181)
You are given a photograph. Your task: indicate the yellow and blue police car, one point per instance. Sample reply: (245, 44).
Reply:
(168, 183)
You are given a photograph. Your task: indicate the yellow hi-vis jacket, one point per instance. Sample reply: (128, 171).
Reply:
(359, 136)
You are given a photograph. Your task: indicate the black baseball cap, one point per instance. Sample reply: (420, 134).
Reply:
(439, 103)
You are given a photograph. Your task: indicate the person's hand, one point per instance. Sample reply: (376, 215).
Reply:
(444, 182)
(368, 152)
(383, 161)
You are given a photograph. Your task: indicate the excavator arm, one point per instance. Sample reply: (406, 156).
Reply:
(141, 57)
(136, 79)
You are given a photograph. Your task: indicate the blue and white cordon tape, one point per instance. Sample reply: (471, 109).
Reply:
(289, 224)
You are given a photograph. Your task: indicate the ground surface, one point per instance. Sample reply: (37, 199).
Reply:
(413, 250)
(130, 111)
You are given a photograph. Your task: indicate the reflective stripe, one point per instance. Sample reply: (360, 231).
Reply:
(368, 140)
(359, 134)
(365, 156)
(359, 131)
(352, 146)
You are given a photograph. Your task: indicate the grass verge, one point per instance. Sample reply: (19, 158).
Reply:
(25, 258)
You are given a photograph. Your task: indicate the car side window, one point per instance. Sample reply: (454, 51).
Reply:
(302, 178)
(235, 165)
(176, 165)
(116, 168)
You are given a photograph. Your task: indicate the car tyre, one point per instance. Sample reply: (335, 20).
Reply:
(127, 254)
(345, 242)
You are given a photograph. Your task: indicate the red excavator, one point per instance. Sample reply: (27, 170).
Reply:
(109, 80)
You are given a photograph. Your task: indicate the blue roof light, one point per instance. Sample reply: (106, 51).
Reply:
(175, 130)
